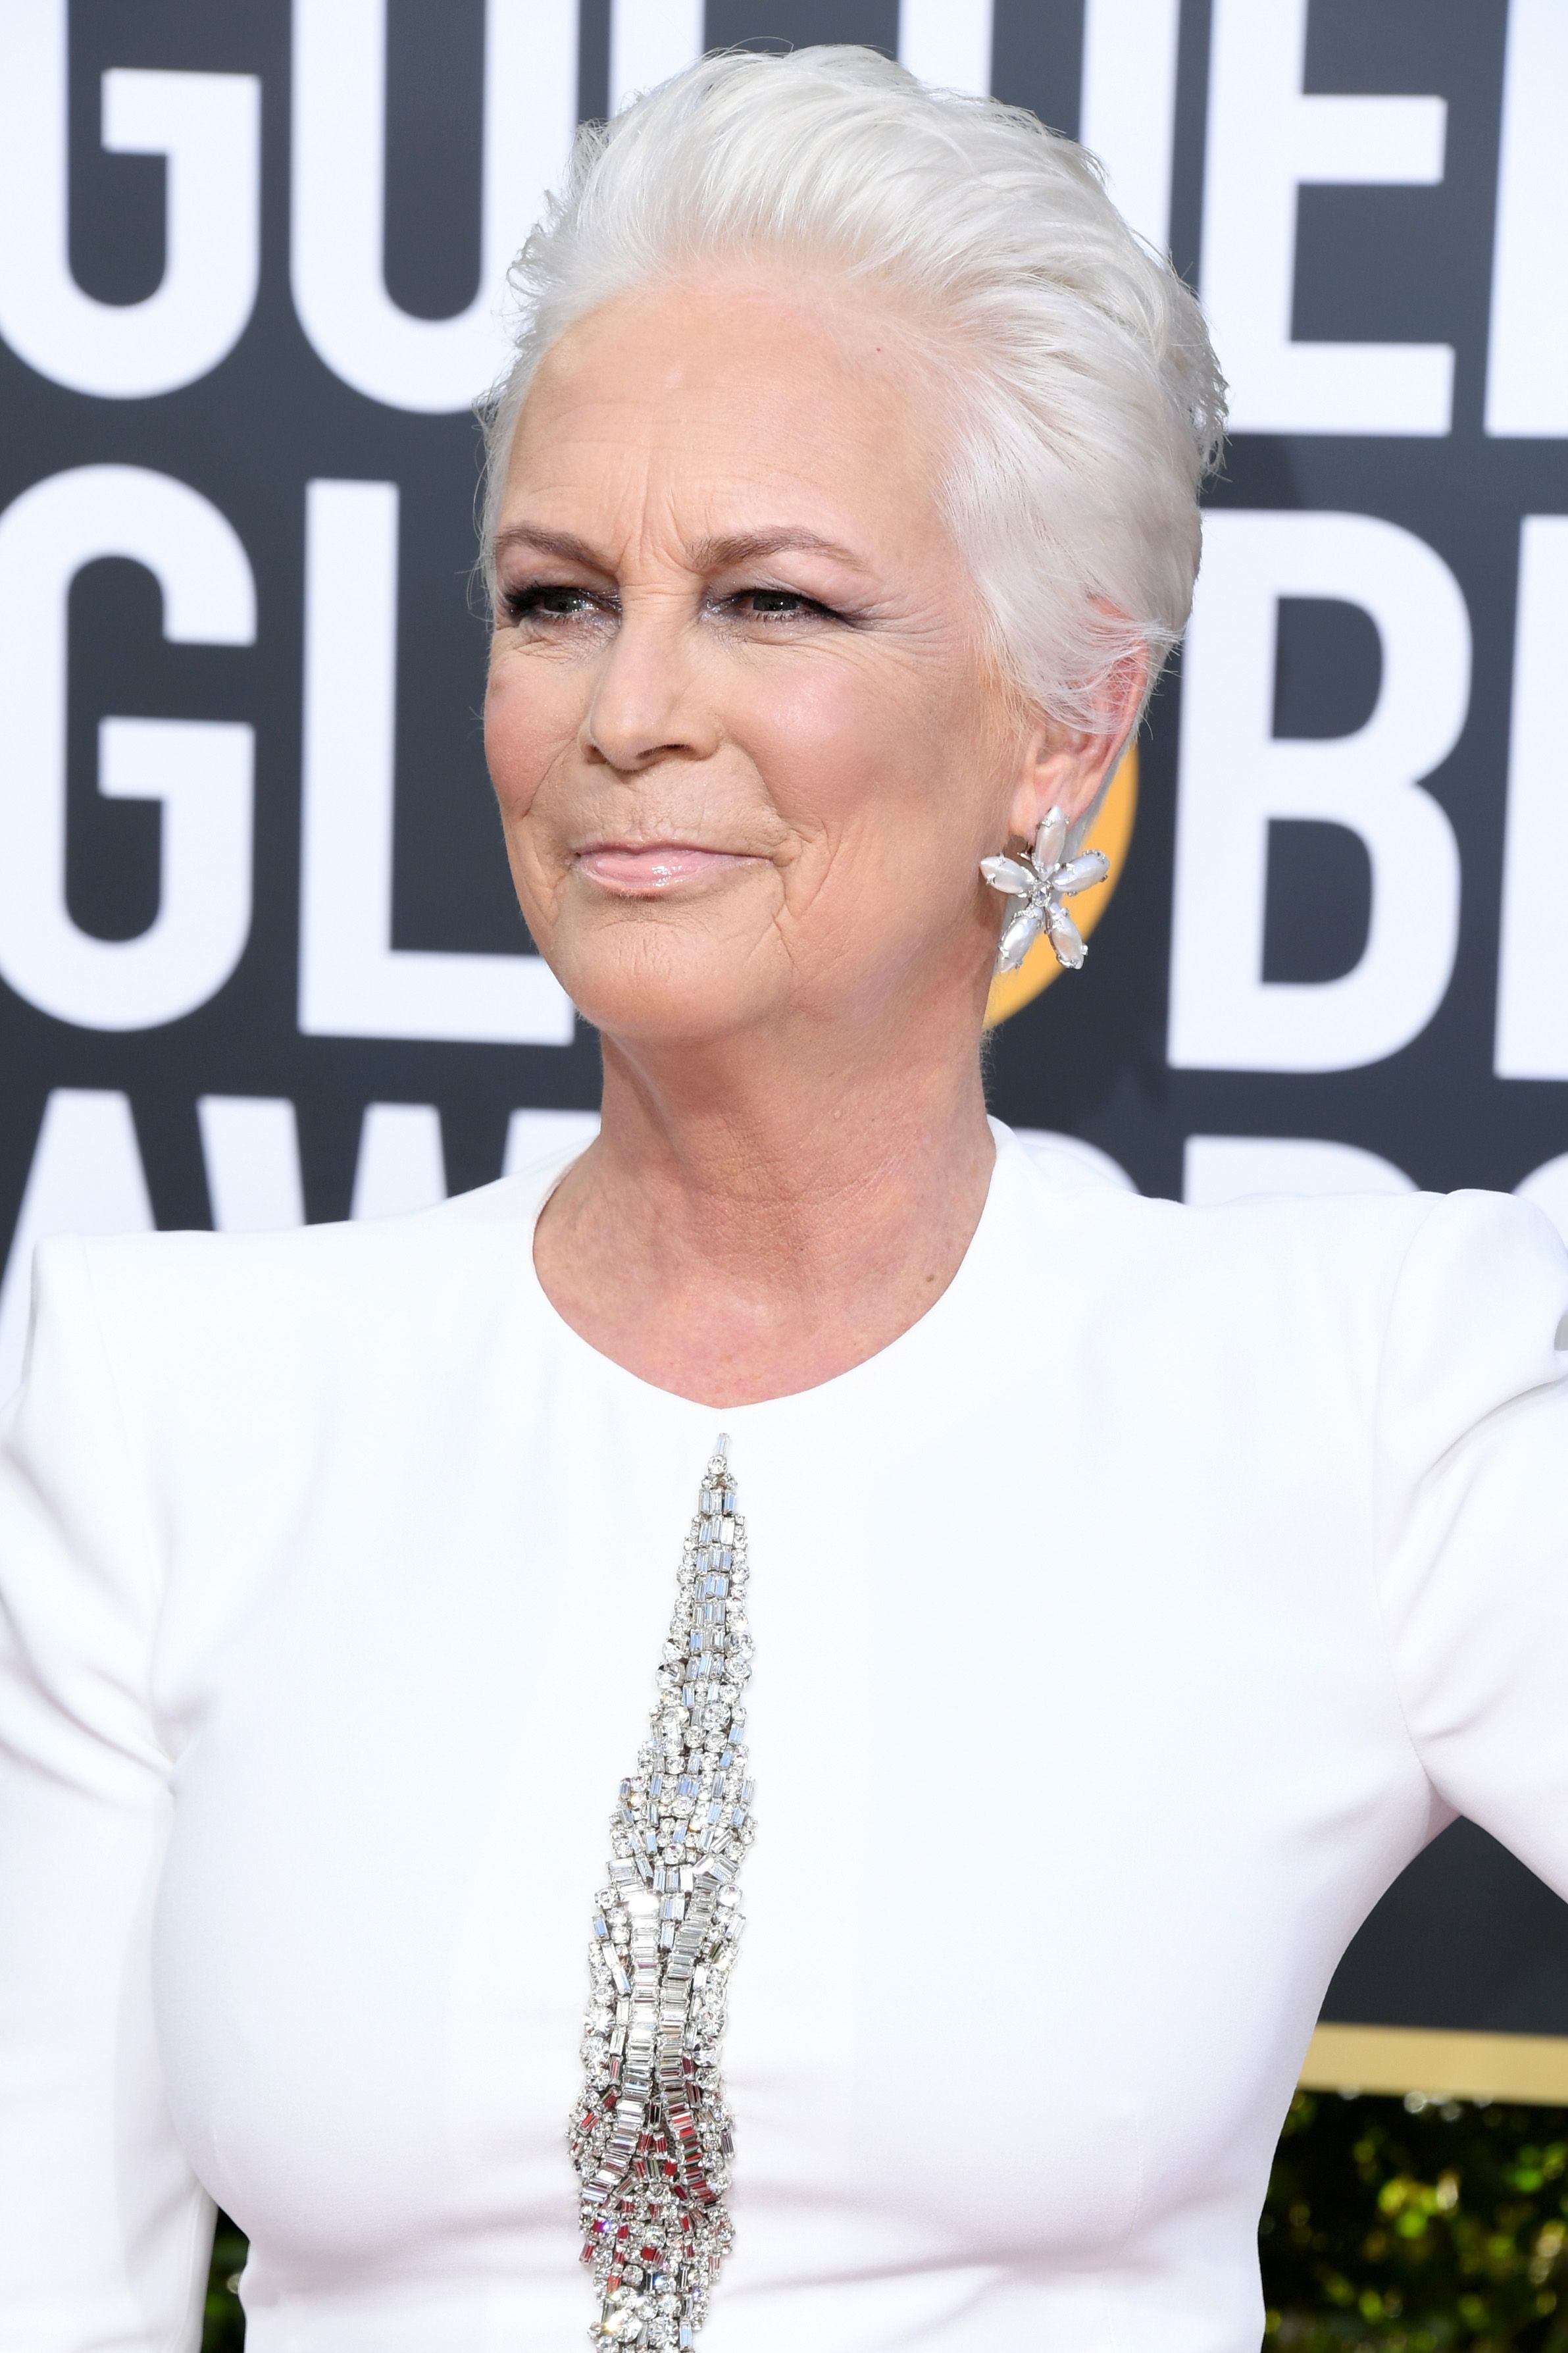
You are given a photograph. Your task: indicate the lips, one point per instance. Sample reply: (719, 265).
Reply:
(647, 870)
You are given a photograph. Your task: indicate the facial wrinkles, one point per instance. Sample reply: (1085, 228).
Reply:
(668, 543)
(805, 426)
(789, 749)
(667, 636)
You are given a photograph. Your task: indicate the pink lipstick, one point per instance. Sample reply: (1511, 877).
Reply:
(647, 869)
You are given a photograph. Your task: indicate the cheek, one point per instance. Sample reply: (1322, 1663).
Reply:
(886, 769)
(829, 745)
(529, 718)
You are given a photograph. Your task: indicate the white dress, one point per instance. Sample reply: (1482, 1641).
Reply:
(1121, 1631)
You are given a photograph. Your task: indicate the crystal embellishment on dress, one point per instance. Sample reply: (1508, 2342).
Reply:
(1040, 887)
(650, 2135)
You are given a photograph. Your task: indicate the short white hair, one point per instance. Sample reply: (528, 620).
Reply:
(1089, 403)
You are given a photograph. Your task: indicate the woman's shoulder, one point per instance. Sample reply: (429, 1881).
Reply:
(182, 1386)
(1351, 1263)
(1415, 1239)
(1350, 1229)
(192, 1303)
(309, 1255)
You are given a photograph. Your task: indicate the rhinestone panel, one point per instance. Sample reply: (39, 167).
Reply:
(650, 2135)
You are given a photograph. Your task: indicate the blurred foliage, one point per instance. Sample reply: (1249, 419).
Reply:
(1392, 2226)
(225, 2329)
(1417, 2226)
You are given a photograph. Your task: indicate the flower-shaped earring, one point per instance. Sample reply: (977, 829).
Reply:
(1040, 887)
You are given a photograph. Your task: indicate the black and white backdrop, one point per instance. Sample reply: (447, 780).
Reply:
(258, 957)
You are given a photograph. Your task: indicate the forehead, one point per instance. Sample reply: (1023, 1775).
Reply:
(699, 402)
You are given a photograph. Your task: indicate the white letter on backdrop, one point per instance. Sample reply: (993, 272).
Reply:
(536, 1136)
(200, 769)
(1266, 139)
(1128, 116)
(650, 40)
(208, 127)
(250, 1145)
(948, 43)
(340, 179)
(86, 1178)
(353, 982)
(1532, 976)
(1235, 775)
(1526, 370)
(401, 1165)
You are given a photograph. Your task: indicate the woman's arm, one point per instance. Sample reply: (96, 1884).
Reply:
(103, 2229)
(1472, 1503)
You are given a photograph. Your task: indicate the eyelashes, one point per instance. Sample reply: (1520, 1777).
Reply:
(543, 602)
(551, 604)
(783, 604)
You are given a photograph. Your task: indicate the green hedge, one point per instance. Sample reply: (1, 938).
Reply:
(225, 2330)
(1391, 2226)
(1417, 2227)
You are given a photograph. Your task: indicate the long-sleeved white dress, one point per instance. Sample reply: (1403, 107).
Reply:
(1121, 1631)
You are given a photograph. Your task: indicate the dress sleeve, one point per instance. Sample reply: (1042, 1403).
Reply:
(1472, 1510)
(105, 2234)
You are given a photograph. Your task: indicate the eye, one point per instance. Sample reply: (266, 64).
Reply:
(544, 600)
(777, 605)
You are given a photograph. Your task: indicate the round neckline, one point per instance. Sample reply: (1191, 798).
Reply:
(915, 1339)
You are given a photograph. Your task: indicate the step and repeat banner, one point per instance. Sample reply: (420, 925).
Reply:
(260, 961)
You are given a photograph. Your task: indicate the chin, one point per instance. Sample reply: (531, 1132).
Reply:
(657, 984)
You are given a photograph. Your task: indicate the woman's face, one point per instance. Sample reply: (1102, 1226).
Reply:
(747, 750)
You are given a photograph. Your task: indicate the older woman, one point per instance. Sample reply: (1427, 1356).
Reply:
(1134, 1591)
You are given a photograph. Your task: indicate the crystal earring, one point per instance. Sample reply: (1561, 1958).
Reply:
(1040, 887)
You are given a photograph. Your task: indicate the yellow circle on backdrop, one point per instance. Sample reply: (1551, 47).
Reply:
(1110, 832)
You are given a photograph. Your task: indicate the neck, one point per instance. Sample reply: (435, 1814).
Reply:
(759, 1214)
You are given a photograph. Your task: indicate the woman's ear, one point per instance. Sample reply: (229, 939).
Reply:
(1067, 768)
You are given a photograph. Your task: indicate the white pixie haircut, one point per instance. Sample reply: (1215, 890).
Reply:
(1086, 403)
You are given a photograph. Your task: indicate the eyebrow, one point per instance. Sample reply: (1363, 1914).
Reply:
(746, 547)
(564, 543)
(719, 554)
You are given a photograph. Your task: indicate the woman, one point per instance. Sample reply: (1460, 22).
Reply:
(1135, 1589)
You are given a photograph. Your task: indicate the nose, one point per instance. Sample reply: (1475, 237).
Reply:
(648, 703)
